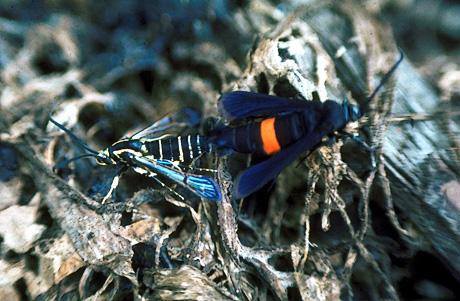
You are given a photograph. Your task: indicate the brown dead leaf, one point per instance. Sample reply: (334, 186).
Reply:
(142, 230)
(18, 228)
(184, 283)
(70, 265)
(10, 192)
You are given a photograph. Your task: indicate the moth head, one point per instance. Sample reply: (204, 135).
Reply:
(354, 113)
(103, 158)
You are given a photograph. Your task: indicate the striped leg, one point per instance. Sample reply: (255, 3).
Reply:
(115, 182)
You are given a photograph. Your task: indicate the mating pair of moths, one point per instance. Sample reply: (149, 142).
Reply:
(288, 128)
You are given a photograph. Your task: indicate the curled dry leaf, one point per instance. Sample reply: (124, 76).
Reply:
(69, 266)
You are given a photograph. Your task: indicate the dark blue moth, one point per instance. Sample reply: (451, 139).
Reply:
(289, 128)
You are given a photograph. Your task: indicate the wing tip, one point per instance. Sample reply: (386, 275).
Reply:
(242, 188)
(210, 190)
(217, 195)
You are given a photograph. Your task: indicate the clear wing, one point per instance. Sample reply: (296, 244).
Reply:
(176, 121)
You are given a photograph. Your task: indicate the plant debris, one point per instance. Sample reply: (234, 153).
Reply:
(342, 223)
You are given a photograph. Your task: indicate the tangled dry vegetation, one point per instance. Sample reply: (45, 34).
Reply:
(342, 223)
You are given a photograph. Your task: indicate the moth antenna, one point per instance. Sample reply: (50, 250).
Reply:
(383, 81)
(72, 135)
(67, 162)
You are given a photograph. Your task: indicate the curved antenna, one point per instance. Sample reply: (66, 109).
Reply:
(383, 81)
(67, 162)
(72, 135)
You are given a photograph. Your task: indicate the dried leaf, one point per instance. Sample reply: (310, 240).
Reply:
(18, 227)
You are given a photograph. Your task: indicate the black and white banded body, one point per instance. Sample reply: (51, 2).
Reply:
(178, 149)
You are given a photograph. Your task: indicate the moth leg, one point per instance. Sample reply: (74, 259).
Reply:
(193, 167)
(329, 142)
(166, 186)
(358, 140)
(115, 182)
(190, 167)
(153, 176)
(205, 169)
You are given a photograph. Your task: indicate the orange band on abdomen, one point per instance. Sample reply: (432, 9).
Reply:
(268, 134)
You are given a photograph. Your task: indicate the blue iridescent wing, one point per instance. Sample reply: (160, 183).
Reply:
(202, 186)
(241, 104)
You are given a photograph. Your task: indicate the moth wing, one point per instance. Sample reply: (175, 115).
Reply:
(242, 104)
(174, 122)
(202, 186)
(255, 177)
